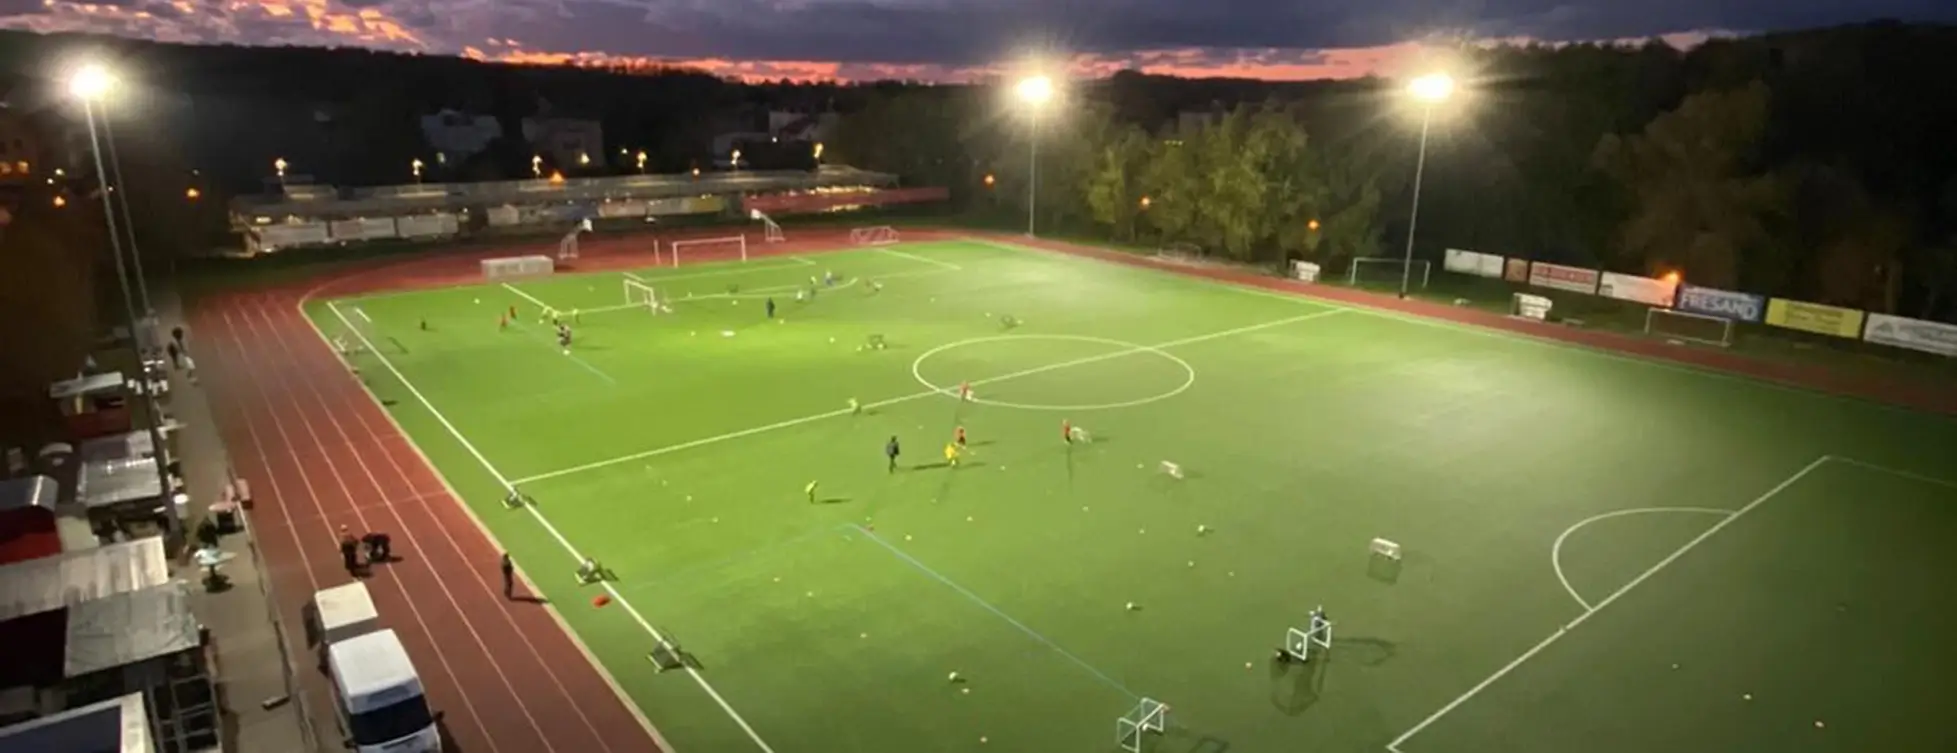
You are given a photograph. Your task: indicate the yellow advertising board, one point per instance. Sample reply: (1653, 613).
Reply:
(704, 204)
(1814, 317)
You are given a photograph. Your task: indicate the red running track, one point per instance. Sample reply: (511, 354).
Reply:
(321, 453)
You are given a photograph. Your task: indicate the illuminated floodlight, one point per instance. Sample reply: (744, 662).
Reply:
(1432, 88)
(90, 82)
(1034, 90)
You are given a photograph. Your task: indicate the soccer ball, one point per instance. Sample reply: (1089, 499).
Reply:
(953, 677)
(478, 300)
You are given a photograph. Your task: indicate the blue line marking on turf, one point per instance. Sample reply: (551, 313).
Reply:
(1031, 633)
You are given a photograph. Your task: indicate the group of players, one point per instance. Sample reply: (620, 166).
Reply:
(557, 320)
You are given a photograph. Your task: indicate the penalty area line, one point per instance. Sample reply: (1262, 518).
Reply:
(917, 257)
(1688, 546)
(576, 556)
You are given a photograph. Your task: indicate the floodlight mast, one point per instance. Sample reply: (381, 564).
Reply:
(1035, 92)
(91, 84)
(1429, 90)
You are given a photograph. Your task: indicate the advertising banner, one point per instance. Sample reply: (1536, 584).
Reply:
(1643, 290)
(613, 209)
(504, 216)
(1473, 263)
(1915, 334)
(1725, 304)
(274, 237)
(793, 203)
(1517, 271)
(427, 225)
(1305, 271)
(702, 205)
(363, 228)
(1814, 317)
(1559, 277)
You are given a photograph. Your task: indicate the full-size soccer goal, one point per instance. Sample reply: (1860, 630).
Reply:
(733, 246)
(1376, 270)
(640, 294)
(1148, 716)
(1686, 326)
(880, 235)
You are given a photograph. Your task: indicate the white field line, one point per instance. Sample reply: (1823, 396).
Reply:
(739, 270)
(1608, 600)
(600, 373)
(541, 520)
(1471, 329)
(528, 297)
(1556, 549)
(1898, 472)
(916, 257)
(916, 396)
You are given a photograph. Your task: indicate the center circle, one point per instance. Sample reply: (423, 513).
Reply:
(1125, 349)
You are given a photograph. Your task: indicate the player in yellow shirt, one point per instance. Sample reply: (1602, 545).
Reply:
(951, 454)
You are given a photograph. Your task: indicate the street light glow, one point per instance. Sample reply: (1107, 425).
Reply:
(1034, 90)
(1432, 88)
(91, 82)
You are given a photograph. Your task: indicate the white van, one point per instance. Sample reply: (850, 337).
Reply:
(377, 694)
(380, 696)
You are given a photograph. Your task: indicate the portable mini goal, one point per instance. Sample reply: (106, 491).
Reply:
(567, 247)
(880, 235)
(770, 231)
(1149, 716)
(734, 243)
(1318, 633)
(640, 294)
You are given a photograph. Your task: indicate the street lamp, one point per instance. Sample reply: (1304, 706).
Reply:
(1034, 92)
(640, 158)
(416, 166)
(91, 84)
(278, 166)
(734, 161)
(1429, 90)
(536, 165)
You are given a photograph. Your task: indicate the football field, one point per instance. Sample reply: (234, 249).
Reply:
(1598, 553)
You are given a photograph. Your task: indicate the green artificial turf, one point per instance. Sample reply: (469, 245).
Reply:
(675, 448)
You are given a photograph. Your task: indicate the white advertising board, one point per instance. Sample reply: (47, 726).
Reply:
(1914, 334)
(1559, 277)
(504, 216)
(427, 225)
(1473, 263)
(611, 209)
(274, 237)
(1643, 290)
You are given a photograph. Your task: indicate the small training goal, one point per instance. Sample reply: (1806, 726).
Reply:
(1686, 326)
(880, 235)
(514, 267)
(770, 230)
(567, 247)
(730, 247)
(1377, 270)
(1148, 716)
(640, 294)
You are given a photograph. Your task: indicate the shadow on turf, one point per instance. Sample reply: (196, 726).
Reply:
(1384, 569)
(1178, 737)
(832, 500)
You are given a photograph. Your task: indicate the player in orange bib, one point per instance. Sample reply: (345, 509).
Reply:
(959, 437)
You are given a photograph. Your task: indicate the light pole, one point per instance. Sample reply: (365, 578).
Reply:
(416, 166)
(128, 225)
(278, 166)
(90, 84)
(1035, 92)
(1428, 90)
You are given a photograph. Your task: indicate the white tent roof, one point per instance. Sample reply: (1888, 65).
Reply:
(31, 491)
(86, 385)
(117, 725)
(129, 628)
(71, 578)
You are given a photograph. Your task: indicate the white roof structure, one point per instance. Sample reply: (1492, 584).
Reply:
(117, 725)
(86, 385)
(72, 578)
(103, 483)
(129, 628)
(29, 491)
(124, 446)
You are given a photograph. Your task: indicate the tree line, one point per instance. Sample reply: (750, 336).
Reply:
(1811, 165)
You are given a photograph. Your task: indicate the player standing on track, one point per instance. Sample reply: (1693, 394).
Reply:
(891, 450)
(509, 576)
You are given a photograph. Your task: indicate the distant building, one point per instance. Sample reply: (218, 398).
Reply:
(566, 141)
(457, 135)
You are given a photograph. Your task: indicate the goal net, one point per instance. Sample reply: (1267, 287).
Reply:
(514, 267)
(1148, 716)
(770, 231)
(881, 235)
(731, 246)
(1375, 270)
(640, 294)
(1689, 327)
(567, 247)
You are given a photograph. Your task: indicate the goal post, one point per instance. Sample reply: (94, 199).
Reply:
(1298, 642)
(1148, 716)
(879, 235)
(732, 243)
(1673, 324)
(640, 294)
(770, 230)
(1378, 269)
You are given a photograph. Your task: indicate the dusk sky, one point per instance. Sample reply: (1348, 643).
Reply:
(947, 40)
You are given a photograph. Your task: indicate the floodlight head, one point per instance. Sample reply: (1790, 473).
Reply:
(1034, 90)
(1432, 88)
(90, 82)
